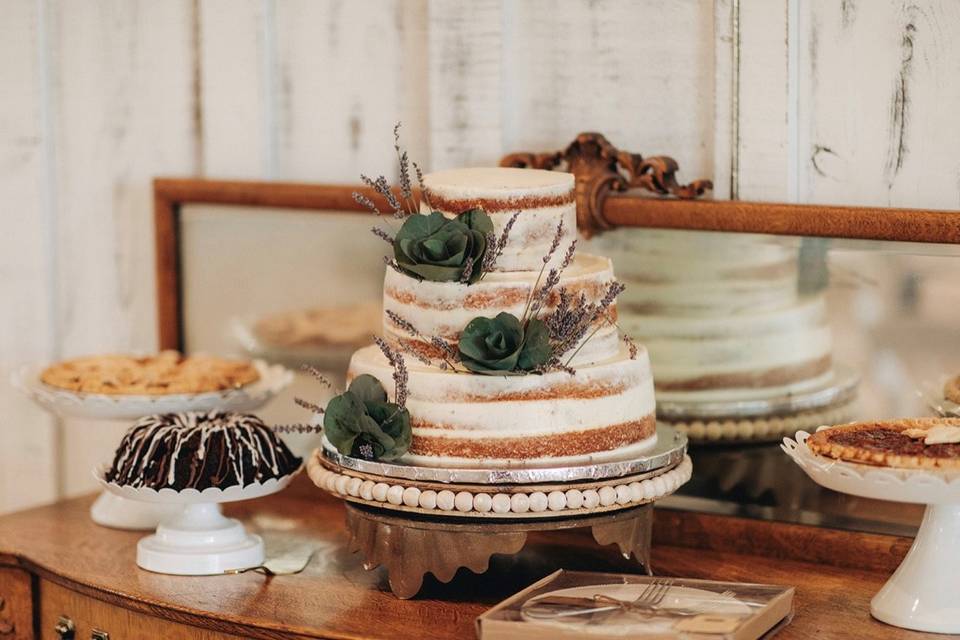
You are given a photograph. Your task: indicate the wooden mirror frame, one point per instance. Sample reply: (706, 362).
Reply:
(605, 178)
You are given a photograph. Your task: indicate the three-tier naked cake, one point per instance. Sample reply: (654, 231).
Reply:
(599, 406)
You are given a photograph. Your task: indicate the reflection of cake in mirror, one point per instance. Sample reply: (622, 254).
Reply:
(349, 325)
(721, 314)
(546, 417)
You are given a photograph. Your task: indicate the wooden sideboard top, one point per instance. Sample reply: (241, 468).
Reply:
(336, 598)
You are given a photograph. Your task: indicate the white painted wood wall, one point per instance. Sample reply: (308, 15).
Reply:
(811, 101)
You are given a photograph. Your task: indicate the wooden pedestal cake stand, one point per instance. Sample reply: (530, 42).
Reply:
(417, 520)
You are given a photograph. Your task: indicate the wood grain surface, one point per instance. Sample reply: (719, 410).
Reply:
(336, 598)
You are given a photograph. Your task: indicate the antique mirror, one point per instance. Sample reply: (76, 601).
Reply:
(761, 319)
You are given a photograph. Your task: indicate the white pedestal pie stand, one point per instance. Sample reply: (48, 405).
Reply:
(116, 511)
(922, 593)
(198, 540)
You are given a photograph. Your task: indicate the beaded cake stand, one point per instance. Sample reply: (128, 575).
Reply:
(921, 594)
(197, 540)
(767, 419)
(417, 520)
(116, 511)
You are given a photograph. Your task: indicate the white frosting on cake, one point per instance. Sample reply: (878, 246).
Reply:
(600, 409)
(543, 198)
(443, 309)
(497, 183)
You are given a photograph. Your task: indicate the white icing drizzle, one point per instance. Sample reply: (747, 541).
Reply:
(139, 455)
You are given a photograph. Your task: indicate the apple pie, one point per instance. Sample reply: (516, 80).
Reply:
(165, 373)
(915, 443)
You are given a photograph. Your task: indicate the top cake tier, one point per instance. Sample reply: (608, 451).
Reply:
(543, 198)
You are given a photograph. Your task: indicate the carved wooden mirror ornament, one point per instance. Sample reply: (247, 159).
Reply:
(600, 168)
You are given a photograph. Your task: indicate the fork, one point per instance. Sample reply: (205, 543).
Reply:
(647, 601)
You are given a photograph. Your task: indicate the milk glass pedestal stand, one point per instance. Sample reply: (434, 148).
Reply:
(110, 509)
(197, 540)
(922, 593)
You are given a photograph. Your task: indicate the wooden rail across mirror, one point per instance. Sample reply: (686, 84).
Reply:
(603, 176)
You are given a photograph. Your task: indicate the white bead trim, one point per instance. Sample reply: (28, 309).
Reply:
(611, 495)
(761, 429)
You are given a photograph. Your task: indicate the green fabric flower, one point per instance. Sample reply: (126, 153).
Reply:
(439, 249)
(501, 346)
(360, 422)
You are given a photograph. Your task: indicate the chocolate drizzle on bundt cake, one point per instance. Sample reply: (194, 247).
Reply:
(199, 451)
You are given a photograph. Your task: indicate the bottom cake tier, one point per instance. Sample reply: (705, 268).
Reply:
(603, 412)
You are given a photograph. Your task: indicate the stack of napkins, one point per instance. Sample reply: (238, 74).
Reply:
(574, 604)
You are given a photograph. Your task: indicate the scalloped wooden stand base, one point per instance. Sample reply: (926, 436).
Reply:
(411, 547)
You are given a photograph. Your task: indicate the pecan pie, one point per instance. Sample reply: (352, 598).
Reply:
(951, 390)
(165, 373)
(918, 443)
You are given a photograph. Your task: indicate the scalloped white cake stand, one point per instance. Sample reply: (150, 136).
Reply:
(198, 540)
(116, 511)
(922, 593)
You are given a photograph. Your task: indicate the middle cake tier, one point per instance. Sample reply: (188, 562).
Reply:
(603, 412)
(443, 309)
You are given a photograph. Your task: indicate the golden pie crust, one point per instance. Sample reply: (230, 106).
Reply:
(350, 326)
(884, 443)
(166, 373)
(951, 390)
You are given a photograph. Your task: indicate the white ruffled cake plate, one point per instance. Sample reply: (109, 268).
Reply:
(921, 594)
(273, 379)
(196, 539)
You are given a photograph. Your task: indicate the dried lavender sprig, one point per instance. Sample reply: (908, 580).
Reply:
(525, 318)
(390, 262)
(400, 373)
(568, 256)
(404, 161)
(444, 346)
(309, 406)
(599, 310)
(381, 186)
(423, 191)
(467, 270)
(555, 243)
(631, 345)
(402, 322)
(495, 246)
(383, 235)
(316, 373)
(366, 202)
(296, 428)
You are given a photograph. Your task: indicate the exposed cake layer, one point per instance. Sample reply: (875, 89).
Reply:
(527, 420)
(741, 355)
(443, 309)
(543, 198)
(669, 272)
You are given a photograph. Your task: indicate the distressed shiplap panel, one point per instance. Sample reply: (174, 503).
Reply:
(344, 74)
(237, 97)
(466, 82)
(763, 135)
(879, 98)
(639, 71)
(27, 435)
(123, 113)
